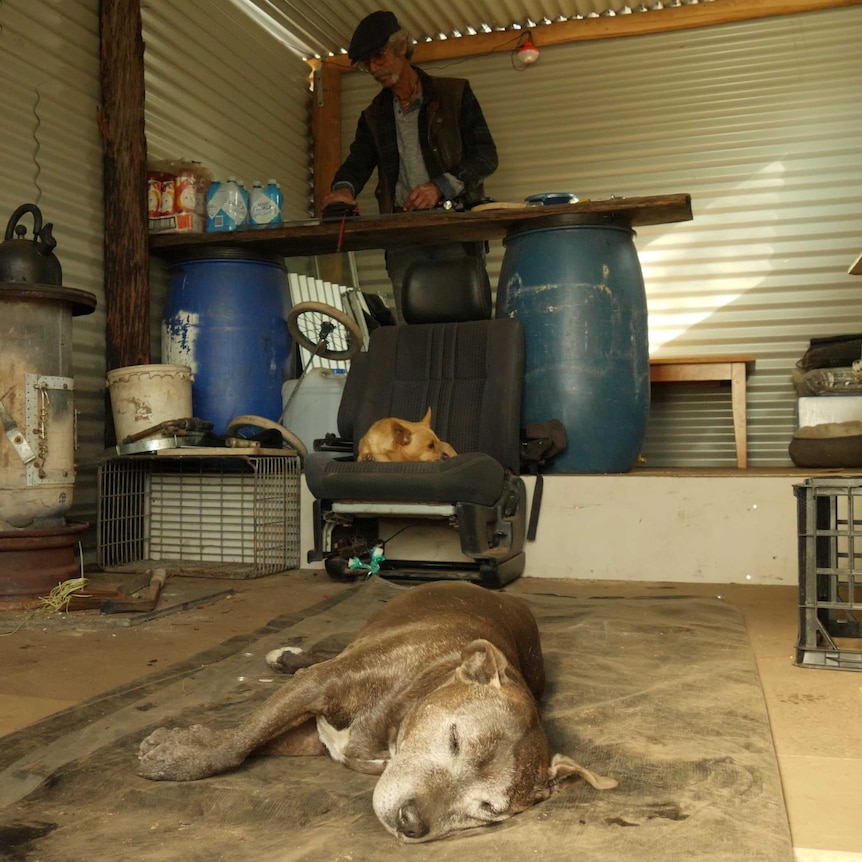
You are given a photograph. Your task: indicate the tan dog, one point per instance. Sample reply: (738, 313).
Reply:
(399, 440)
(437, 694)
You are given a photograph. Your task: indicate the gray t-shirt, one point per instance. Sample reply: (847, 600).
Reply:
(411, 166)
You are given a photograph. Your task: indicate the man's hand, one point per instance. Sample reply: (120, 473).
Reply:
(423, 197)
(339, 196)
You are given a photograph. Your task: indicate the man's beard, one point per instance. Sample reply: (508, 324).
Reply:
(393, 78)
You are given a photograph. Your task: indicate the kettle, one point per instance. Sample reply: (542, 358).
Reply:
(29, 260)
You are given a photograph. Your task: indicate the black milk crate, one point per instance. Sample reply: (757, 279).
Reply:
(829, 519)
(227, 516)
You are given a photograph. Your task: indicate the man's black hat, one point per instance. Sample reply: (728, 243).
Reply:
(371, 35)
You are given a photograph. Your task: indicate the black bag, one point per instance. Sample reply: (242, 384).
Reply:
(835, 351)
(541, 442)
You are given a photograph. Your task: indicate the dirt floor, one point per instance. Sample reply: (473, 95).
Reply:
(660, 692)
(49, 666)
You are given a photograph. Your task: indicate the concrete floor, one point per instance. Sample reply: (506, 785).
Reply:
(813, 712)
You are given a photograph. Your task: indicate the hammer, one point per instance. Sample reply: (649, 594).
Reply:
(146, 603)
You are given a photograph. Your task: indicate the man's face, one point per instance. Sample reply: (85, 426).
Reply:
(386, 66)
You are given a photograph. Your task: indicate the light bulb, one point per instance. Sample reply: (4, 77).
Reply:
(527, 53)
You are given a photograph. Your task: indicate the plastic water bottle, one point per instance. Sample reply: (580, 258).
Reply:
(273, 191)
(265, 206)
(235, 208)
(217, 219)
(244, 192)
(257, 205)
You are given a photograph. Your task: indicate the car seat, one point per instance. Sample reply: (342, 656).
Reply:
(468, 368)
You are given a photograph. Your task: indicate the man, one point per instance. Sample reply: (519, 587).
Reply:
(427, 138)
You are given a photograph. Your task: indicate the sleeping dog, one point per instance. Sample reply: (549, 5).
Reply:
(399, 440)
(437, 695)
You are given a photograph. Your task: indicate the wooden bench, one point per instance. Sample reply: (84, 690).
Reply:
(699, 369)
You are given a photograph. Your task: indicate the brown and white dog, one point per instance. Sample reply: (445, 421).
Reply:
(399, 440)
(437, 694)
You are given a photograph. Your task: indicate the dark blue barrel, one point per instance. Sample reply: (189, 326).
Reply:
(579, 293)
(226, 317)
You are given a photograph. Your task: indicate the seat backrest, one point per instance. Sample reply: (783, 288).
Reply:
(470, 374)
(446, 291)
(351, 397)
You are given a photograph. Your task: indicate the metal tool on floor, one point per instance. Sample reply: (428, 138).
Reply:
(147, 602)
(115, 600)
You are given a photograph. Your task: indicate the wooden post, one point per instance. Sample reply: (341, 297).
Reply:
(124, 154)
(326, 128)
(326, 135)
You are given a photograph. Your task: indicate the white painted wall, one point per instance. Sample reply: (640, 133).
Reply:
(706, 529)
(642, 527)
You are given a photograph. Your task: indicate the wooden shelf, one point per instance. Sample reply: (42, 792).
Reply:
(311, 237)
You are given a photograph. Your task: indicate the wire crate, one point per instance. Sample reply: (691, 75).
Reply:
(226, 516)
(829, 518)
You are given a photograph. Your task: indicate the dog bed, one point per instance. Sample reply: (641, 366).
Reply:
(831, 444)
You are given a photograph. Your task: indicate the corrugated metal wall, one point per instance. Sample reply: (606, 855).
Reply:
(223, 90)
(322, 29)
(50, 155)
(760, 122)
(220, 89)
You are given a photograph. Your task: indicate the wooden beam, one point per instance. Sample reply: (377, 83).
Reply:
(611, 27)
(124, 154)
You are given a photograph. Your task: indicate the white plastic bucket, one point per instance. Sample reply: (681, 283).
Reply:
(144, 396)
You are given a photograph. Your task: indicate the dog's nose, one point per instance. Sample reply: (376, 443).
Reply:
(410, 822)
(444, 456)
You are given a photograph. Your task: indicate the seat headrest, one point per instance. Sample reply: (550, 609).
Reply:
(446, 291)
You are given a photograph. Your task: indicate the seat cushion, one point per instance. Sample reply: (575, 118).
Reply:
(472, 477)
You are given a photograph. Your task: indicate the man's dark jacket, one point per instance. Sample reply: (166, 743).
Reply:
(454, 137)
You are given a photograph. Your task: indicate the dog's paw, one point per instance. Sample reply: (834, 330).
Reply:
(287, 659)
(185, 754)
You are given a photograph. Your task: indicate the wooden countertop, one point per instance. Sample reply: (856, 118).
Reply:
(311, 237)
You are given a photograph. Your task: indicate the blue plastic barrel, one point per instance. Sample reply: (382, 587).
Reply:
(226, 317)
(579, 293)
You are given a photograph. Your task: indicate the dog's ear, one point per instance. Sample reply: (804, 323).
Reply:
(482, 664)
(426, 419)
(563, 769)
(400, 433)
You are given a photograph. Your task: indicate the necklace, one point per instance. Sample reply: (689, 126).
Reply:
(414, 94)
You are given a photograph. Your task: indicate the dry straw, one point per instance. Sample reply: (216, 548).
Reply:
(57, 601)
